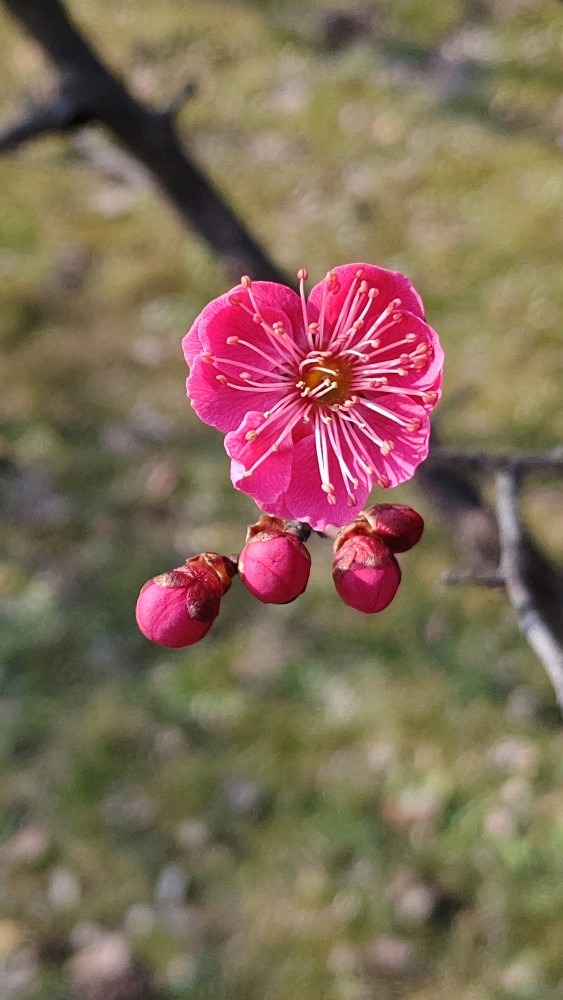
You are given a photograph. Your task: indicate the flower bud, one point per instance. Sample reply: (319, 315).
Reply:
(274, 565)
(365, 573)
(399, 526)
(179, 607)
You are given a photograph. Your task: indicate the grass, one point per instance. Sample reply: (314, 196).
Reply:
(349, 808)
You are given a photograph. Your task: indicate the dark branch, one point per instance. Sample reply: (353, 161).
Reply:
(89, 92)
(61, 115)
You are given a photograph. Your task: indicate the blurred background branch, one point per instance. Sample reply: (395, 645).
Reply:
(88, 93)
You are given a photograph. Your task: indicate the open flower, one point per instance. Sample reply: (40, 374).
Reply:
(320, 398)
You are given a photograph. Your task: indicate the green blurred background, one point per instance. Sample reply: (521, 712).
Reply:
(310, 804)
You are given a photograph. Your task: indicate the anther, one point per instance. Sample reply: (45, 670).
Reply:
(373, 293)
(302, 274)
(383, 482)
(222, 378)
(257, 318)
(411, 337)
(244, 376)
(387, 447)
(375, 343)
(359, 273)
(414, 424)
(250, 436)
(327, 487)
(235, 300)
(430, 397)
(208, 357)
(246, 281)
(232, 340)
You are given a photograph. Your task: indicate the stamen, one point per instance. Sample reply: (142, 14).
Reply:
(384, 412)
(361, 458)
(303, 275)
(275, 446)
(275, 375)
(286, 348)
(328, 279)
(346, 474)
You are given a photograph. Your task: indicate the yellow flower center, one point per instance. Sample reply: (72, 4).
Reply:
(327, 380)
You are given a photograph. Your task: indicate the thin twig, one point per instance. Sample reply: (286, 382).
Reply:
(517, 462)
(484, 578)
(521, 593)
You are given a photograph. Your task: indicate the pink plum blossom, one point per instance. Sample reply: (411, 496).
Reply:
(321, 398)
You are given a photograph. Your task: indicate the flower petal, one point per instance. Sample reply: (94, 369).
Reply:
(221, 405)
(192, 343)
(410, 446)
(389, 284)
(271, 477)
(305, 500)
(425, 362)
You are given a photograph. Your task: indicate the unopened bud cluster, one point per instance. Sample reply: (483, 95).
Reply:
(179, 607)
(365, 571)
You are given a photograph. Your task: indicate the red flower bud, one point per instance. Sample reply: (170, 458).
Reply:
(274, 565)
(179, 607)
(399, 526)
(365, 573)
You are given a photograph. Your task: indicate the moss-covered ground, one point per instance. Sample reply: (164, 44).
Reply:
(310, 804)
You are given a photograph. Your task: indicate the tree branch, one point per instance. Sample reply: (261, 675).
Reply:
(89, 92)
(516, 462)
(521, 588)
